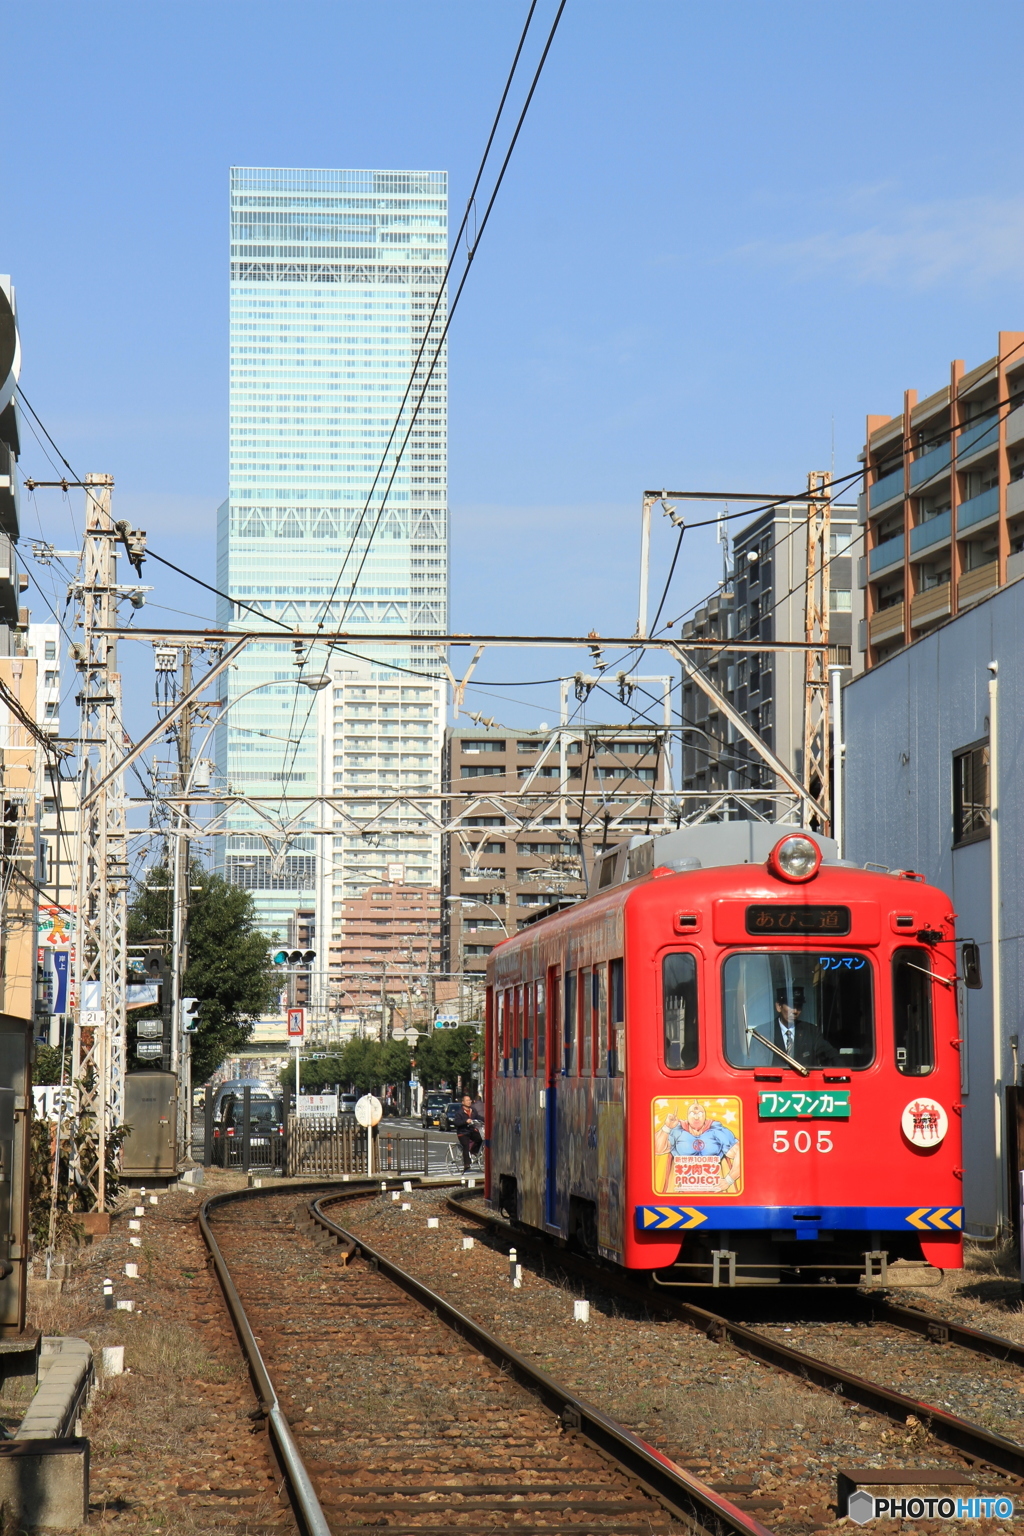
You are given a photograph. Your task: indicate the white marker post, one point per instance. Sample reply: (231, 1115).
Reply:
(368, 1112)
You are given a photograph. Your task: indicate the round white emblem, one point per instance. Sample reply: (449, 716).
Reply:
(924, 1122)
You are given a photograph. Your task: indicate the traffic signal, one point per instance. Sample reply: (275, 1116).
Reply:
(285, 957)
(189, 1015)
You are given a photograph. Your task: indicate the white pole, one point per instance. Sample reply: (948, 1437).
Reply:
(645, 560)
(838, 750)
(997, 969)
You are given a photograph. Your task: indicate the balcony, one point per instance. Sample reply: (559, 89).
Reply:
(935, 531)
(886, 623)
(979, 438)
(886, 554)
(977, 584)
(889, 488)
(1015, 426)
(978, 510)
(928, 606)
(10, 583)
(1015, 498)
(1015, 566)
(8, 492)
(928, 465)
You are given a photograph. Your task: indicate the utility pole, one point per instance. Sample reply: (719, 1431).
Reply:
(816, 616)
(181, 863)
(99, 1030)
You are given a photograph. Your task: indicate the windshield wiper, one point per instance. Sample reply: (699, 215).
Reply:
(798, 1066)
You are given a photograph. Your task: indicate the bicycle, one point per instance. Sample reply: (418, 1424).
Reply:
(454, 1163)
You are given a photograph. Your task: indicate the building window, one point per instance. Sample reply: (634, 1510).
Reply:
(971, 805)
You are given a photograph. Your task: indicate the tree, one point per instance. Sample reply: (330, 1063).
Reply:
(446, 1054)
(229, 970)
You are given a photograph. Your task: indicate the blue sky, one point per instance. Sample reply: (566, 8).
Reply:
(728, 233)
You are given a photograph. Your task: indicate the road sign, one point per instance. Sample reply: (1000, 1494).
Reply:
(323, 1104)
(296, 1022)
(369, 1110)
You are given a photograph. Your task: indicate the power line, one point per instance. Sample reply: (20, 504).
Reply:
(470, 254)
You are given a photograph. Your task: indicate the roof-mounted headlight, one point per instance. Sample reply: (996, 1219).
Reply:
(795, 858)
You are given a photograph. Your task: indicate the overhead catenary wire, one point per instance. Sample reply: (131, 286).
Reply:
(444, 333)
(396, 424)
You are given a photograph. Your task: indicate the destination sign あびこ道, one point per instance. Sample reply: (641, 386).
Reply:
(789, 920)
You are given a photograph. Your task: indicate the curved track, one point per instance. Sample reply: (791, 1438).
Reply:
(984, 1448)
(423, 1419)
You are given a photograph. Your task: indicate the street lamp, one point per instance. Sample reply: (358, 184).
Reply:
(467, 901)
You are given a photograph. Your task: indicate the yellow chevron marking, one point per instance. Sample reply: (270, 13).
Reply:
(956, 1216)
(914, 1216)
(670, 1217)
(694, 1217)
(936, 1218)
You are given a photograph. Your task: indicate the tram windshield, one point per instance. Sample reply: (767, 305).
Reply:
(814, 1006)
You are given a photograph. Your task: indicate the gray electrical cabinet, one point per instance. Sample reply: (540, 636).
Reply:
(151, 1110)
(15, 1132)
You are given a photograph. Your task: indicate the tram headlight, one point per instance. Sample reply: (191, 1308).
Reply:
(795, 858)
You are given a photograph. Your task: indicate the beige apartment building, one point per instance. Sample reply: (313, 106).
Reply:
(384, 943)
(943, 501)
(521, 800)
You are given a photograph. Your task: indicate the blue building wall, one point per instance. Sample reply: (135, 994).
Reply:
(904, 720)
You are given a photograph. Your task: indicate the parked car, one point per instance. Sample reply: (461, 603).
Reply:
(266, 1124)
(235, 1085)
(433, 1110)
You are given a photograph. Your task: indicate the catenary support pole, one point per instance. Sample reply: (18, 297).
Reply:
(835, 675)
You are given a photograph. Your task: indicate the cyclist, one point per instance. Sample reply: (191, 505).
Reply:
(468, 1119)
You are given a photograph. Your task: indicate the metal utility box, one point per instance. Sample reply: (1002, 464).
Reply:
(151, 1109)
(15, 1130)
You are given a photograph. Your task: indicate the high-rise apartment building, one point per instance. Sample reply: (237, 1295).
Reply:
(380, 734)
(334, 279)
(764, 603)
(943, 501)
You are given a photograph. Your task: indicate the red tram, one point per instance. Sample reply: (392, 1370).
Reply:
(735, 1062)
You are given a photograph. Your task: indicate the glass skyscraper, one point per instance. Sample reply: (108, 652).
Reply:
(334, 276)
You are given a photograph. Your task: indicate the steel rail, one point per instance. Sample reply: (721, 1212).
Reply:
(670, 1484)
(305, 1505)
(970, 1439)
(943, 1330)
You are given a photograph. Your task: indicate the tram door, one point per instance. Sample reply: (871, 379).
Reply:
(553, 1057)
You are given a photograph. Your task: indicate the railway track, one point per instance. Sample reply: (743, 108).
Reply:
(386, 1406)
(984, 1449)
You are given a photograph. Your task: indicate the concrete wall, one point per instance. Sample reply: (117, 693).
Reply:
(904, 720)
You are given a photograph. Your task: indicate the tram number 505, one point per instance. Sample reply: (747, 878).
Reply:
(802, 1141)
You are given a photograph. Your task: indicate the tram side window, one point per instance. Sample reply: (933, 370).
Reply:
(501, 1043)
(912, 1013)
(517, 1055)
(527, 1029)
(569, 1026)
(541, 1028)
(616, 1019)
(679, 1011)
(600, 1017)
(586, 1059)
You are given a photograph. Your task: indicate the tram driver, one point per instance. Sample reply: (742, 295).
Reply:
(798, 1037)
